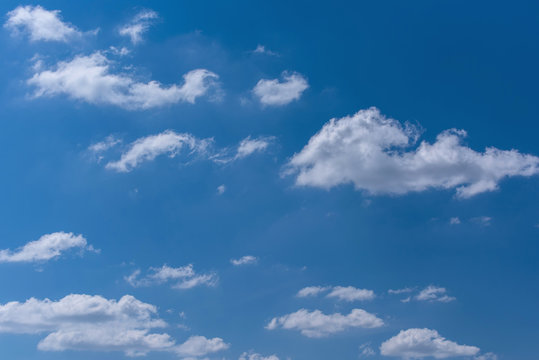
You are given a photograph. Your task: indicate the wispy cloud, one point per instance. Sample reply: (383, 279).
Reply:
(277, 92)
(183, 277)
(244, 260)
(140, 24)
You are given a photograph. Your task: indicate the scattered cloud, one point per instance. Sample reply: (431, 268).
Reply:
(250, 146)
(221, 189)
(86, 322)
(482, 220)
(40, 24)
(316, 324)
(138, 25)
(255, 356)
(101, 146)
(244, 260)
(400, 291)
(91, 79)
(371, 152)
(487, 356)
(149, 147)
(183, 277)
(261, 49)
(454, 221)
(421, 343)
(276, 92)
(434, 293)
(346, 293)
(47, 247)
(365, 350)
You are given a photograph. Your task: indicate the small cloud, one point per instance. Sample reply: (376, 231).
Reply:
(400, 291)
(138, 25)
(183, 277)
(366, 350)
(454, 221)
(434, 293)
(221, 189)
(261, 49)
(244, 260)
(482, 220)
(277, 92)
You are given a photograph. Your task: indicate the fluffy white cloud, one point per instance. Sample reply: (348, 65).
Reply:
(249, 146)
(244, 260)
(183, 277)
(372, 152)
(434, 293)
(346, 293)
(138, 25)
(85, 322)
(90, 78)
(40, 24)
(350, 293)
(255, 356)
(149, 147)
(317, 324)
(421, 343)
(47, 247)
(312, 291)
(275, 92)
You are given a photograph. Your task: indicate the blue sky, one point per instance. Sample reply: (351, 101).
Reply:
(269, 180)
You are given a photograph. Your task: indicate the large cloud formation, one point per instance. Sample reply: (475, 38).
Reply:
(375, 154)
(85, 322)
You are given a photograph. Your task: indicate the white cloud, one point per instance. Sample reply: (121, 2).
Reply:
(90, 78)
(261, 49)
(221, 189)
(350, 293)
(486, 356)
(371, 152)
(421, 343)
(40, 24)
(183, 277)
(482, 220)
(312, 291)
(346, 293)
(365, 350)
(138, 25)
(84, 322)
(434, 293)
(275, 92)
(244, 260)
(255, 356)
(249, 146)
(317, 324)
(149, 147)
(102, 146)
(454, 221)
(47, 247)
(400, 291)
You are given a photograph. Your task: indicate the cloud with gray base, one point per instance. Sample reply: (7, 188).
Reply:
(47, 247)
(316, 324)
(378, 155)
(91, 78)
(93, 323)
(422, 343)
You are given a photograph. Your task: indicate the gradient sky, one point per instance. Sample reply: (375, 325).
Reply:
(269, 180)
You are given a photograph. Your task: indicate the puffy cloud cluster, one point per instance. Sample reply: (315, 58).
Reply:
(345, 293)
(85, 322)
(91, 78)
(40, 24)
(373, 152)
(47, 247)
(183, 277)
(276, 93)
(421, 343)
(316, 324)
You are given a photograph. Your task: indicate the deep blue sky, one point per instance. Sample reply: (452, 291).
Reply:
(436, 64)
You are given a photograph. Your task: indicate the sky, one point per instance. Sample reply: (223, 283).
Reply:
(269, 180)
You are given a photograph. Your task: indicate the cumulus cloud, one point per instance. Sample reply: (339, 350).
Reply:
(221, 189)
(261, 49)
(276, 92)
(40, 24)
(183, 277)
(434, 293)
(350, 293)
(138, 25)
(172, 143)
(421, 343)
(376, 154)
(255, 356)
(47, 247)
(86, 322)
(316, 324)
(244, 260)
(91, 79)
(346, 293)
(149, 147)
